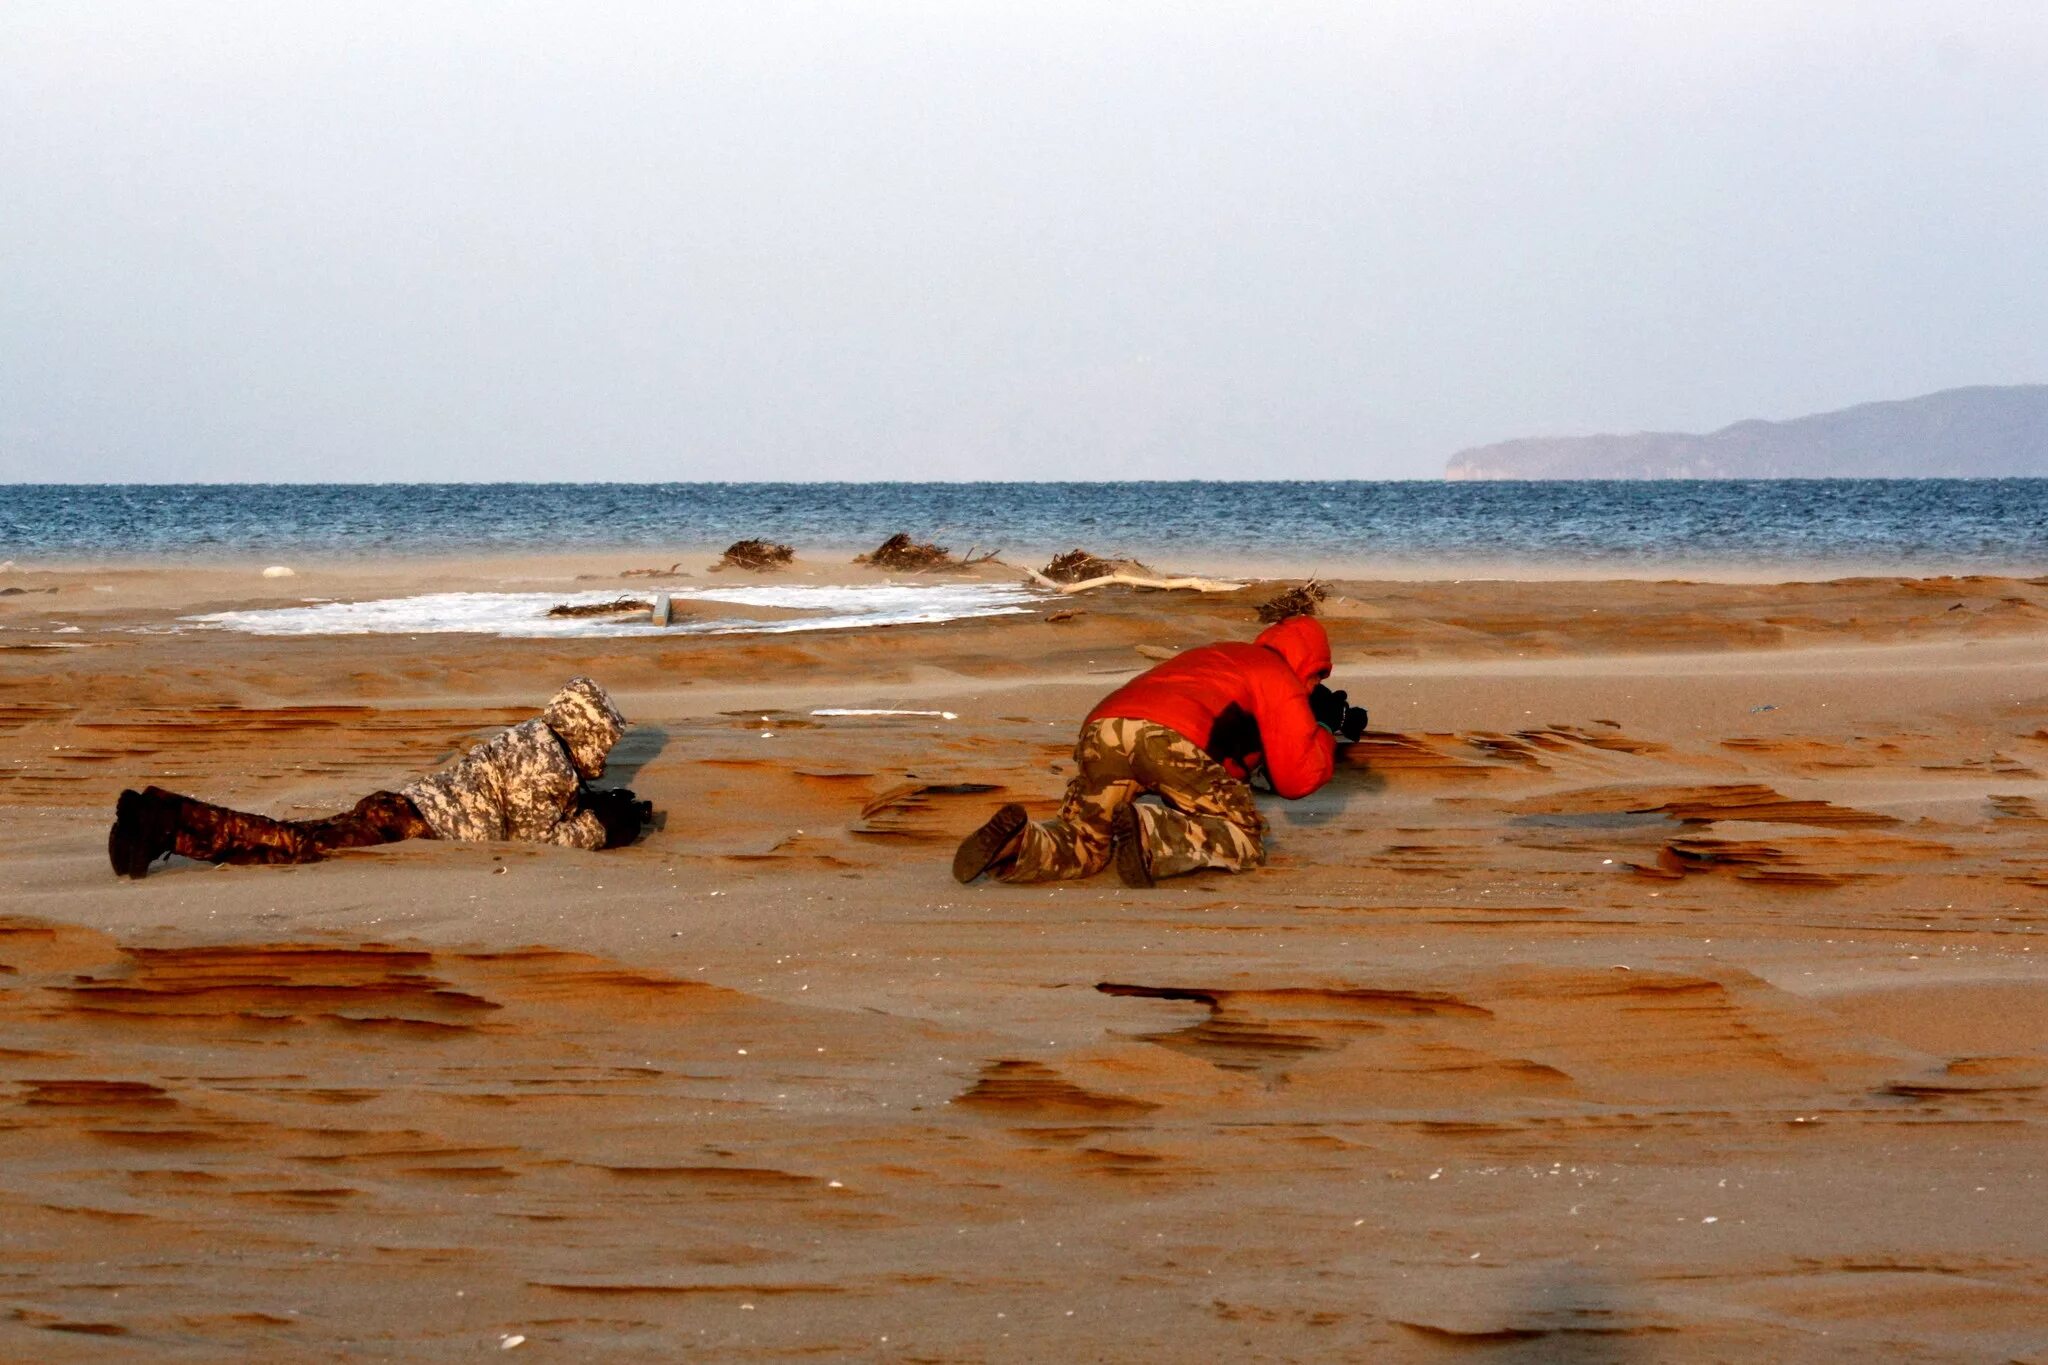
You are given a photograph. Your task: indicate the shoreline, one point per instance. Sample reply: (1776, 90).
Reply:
(834, 564)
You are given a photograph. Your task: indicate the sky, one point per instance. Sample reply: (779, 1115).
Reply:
(860, 240)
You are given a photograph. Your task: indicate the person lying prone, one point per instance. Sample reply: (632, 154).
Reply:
(530, 783)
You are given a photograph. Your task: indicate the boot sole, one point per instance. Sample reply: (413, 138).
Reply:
(125, 845)
(986, 844)
(1128, 839)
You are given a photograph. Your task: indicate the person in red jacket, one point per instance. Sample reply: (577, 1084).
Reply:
(1191, 731)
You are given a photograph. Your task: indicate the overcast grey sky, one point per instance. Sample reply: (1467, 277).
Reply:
(953, 240)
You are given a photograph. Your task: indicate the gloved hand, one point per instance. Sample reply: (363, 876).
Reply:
(1334, 712)
(1328, 707)
(620, 812)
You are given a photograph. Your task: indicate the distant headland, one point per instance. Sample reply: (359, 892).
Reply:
(1981, 432)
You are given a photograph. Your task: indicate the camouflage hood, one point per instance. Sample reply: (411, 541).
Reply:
(586, 722)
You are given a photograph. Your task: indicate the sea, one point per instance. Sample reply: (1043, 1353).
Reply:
(1919, 525)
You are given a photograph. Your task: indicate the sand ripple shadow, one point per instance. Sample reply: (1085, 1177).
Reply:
(1539, 1034)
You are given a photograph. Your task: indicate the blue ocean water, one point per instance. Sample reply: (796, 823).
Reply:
(1926, 524)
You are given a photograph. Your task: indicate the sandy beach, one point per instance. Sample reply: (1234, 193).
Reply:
(1664, 977)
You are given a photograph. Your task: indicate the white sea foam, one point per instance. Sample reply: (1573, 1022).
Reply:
(525, 614)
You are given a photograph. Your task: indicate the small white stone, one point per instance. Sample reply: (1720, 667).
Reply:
(286, 571)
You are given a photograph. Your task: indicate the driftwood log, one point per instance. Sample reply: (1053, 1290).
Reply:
(1131, 580)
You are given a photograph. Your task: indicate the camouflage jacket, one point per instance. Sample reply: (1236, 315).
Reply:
(526, 783)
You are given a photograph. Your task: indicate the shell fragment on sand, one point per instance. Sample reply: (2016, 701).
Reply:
(787, 608)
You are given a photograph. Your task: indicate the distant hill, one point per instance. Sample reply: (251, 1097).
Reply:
(1982, 432)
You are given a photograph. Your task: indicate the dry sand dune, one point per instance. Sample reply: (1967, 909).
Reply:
(1664, 978)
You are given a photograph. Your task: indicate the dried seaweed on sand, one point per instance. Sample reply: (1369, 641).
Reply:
(618, 606)
(759, 556)
(899, 552)
(1304, 599)
(1077, 565)
(672, 571)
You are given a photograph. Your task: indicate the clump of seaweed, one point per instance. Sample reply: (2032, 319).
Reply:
(1304, 599)
(618, 606)
(758, 556)
(902, 554)
(1078, 566)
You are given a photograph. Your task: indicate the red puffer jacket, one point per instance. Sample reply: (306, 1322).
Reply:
(1236, 700)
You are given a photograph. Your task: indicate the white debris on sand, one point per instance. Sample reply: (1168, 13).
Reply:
(280, 571)
(517, 614)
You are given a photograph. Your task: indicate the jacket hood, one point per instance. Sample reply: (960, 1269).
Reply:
(586, 722)
(1302, 642)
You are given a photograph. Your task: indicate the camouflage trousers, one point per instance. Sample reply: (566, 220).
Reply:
(1209, 819)
(215, 834)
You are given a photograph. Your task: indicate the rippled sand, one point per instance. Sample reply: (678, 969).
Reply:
(1664, 978)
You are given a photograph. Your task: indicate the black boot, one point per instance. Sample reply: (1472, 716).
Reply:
(990, 844)
(142, 832)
